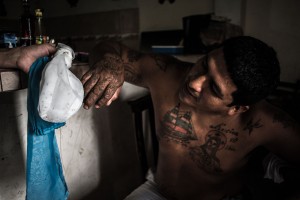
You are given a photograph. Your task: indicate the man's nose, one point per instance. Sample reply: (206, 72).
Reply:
(198, 83)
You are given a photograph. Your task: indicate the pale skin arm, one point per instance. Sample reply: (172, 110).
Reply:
(23, 57)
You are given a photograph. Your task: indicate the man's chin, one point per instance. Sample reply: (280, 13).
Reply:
(183, 99)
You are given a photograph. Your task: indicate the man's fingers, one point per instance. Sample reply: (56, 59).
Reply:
(92, 83)
(114, 97)
(117, 93)
(93, 96)
(86, 76)
(107, 96)
(95, 89)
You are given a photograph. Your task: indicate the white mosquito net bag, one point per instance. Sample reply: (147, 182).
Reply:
(61, 92)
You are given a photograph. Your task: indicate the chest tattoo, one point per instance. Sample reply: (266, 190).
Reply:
(222, 128)
(205, 155)
(176, 125)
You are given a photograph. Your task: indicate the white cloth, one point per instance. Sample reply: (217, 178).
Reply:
(272, 165)
(150, 191)
(61, 92)
(147, 191)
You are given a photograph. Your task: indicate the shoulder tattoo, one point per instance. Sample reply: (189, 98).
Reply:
(251, 125)
(133, 55)
(160, 62)
(164, 61)
(284, 120)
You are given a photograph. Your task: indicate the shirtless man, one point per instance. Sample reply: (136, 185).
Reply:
(209, 116)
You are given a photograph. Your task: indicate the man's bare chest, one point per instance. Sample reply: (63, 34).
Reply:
(216, 148)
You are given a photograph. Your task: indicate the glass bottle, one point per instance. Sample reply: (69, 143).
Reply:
(40, 36)
(27, 25)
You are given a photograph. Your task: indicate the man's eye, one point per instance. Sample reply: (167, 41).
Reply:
(215, 90)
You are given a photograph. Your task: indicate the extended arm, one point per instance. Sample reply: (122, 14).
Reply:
(102, 83)
(23, 57)
(113, 63)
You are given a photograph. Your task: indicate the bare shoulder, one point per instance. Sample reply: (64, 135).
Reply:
(163, 72)
(277, 118)
(165, 65)
(281, 133)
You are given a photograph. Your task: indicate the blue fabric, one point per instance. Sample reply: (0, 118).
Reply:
(44, 174)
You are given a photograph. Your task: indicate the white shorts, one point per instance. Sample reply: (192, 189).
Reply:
(149, 191)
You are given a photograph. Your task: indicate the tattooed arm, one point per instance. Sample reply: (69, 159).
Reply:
(113, 63)
(110, 64)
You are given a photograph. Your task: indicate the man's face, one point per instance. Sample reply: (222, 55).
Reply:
(208, 86)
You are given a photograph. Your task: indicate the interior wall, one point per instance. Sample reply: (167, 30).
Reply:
(277, 23)
(91, 28)
(167, 16)
(84, 6)
(55, 8)
(230, 9)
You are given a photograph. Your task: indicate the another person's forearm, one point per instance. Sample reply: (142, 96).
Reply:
(23, 57)
(8, 59)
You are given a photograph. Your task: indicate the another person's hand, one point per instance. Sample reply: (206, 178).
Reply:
(29, 54)
(23, 57)
(102, 83)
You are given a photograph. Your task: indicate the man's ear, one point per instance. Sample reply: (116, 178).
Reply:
(237, 109)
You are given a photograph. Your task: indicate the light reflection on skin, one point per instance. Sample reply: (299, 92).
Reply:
(208, 84)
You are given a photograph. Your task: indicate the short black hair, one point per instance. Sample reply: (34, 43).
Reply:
(253, 67)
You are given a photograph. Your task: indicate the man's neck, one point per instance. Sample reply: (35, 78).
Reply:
(206, 119)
